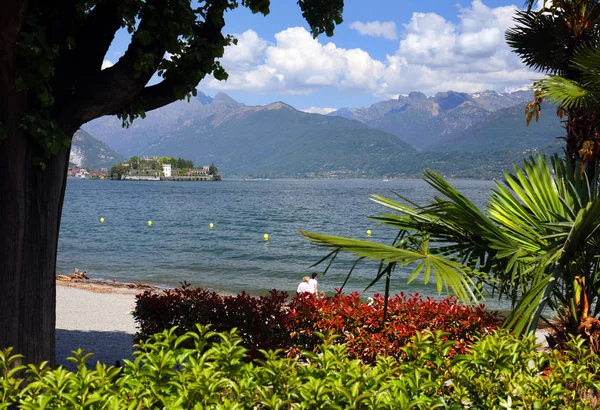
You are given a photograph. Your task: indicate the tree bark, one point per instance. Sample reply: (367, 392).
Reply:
(31, 206)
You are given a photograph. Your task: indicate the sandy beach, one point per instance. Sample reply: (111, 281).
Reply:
(96, 318)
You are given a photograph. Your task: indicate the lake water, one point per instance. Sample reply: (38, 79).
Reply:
(232, 256)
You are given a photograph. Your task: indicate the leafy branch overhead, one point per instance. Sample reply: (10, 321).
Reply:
(61, 47)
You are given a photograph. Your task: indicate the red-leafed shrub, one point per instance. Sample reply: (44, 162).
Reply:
(360, 326)
(261, 321)
(265, 322)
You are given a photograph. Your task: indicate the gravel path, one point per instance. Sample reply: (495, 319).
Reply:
(98, 320)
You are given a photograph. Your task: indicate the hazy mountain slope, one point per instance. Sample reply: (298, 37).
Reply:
(425, 125)
(425, 121)
(143, 132)
(278, 140)
(476, 165)
(88, 152)
(506, 129)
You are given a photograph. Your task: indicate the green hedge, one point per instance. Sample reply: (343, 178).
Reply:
(500, 371)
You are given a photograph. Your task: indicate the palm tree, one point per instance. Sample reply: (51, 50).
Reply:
(550, 40)
(537, 244)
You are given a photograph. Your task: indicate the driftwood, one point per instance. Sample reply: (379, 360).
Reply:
(75, 275)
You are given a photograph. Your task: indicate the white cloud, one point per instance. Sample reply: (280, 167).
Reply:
(247, 53)
(385, 29)
(433, 54)
(106, 64)
(318, 110)
(470, 55)
(298, 63)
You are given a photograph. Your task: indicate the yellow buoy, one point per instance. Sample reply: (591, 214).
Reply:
(149, 223)
(266, 236)
(211, 225)
(369, 232)
(101, 220)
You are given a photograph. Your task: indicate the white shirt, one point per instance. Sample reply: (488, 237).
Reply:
(313, 285)
(303, 287)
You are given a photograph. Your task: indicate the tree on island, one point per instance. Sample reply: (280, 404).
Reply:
(134, 162)
(52, 82)
(213, 170)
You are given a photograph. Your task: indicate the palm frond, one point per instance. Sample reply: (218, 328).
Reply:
(587, 61)
(524, 316)
(564, 92)
(448, 273)
(541, 40)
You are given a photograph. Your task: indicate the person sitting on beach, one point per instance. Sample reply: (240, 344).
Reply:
(304, 287)
(312, 282)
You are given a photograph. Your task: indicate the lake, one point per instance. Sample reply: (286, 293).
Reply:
(231, 257)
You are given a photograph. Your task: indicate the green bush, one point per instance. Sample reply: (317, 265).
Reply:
(500, 371)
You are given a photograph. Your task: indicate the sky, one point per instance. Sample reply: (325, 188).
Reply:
(384, 48)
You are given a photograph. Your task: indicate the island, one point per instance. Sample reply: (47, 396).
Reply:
(163, 169)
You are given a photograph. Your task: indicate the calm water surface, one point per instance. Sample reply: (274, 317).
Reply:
(232, 256)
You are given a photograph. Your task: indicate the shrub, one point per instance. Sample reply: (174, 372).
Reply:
(500, 371)
(260, 321)
(361, 329)
(266, 323)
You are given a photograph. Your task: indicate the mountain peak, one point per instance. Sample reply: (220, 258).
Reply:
(222, 97)
(416, 95)
(203, 98)
(279, 105)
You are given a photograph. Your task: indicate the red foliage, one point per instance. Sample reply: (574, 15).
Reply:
(261, 321)
(362, 331)
(265, 323)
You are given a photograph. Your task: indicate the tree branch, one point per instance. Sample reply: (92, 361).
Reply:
(95, 35)
(188, 69)
(108, 90)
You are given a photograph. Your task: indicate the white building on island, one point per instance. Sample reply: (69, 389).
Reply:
(167, 170)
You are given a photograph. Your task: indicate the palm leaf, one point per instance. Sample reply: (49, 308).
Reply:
(564, 92)
(448, 273)
(541, 40)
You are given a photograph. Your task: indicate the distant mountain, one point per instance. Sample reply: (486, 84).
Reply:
(142, 133)
(505, 129)
(278, 140)
(88, 152)
(460, 135)
(425, 121)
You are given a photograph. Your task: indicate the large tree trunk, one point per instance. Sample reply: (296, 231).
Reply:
(31, 201)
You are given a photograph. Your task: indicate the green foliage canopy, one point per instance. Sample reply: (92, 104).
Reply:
(499, 372)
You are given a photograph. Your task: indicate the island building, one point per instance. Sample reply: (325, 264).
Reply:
(153, 169)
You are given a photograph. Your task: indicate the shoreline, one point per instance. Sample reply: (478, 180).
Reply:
(105, 286)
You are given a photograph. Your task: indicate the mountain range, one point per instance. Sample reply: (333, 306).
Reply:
(458, 134)
(423, 122)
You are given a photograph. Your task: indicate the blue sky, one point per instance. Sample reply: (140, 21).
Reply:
(384, 48)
